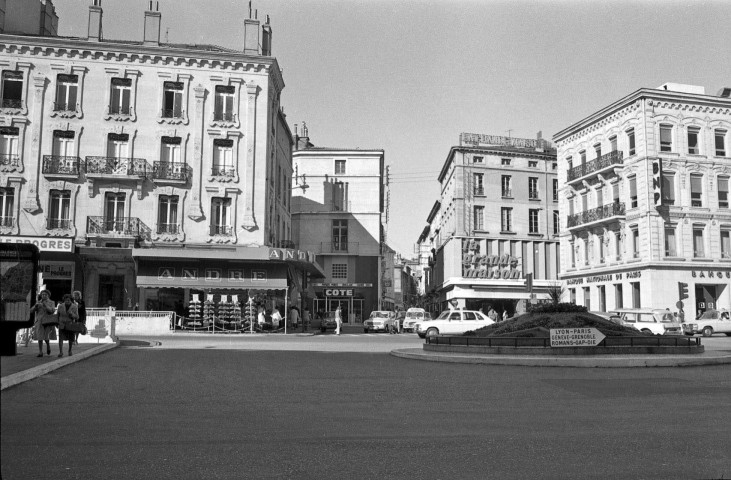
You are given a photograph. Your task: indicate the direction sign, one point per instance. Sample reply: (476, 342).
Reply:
(576, 337)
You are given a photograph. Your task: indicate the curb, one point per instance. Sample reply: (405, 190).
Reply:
(623, 361)
(35, 372)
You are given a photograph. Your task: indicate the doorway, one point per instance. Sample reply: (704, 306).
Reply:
(111, 291)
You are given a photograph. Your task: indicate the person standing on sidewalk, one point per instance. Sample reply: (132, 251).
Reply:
(338, 320)
(67, 314)
(81, 308)
(294, 316)
(305, 319)
(45, 322)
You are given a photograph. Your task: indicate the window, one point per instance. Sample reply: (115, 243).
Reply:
(60, 205)
(9, 146)
(600, 243)
(533, 188)
(668, 188)
(121, 96)
(532, 220)
(726, 243)
(587, 298)
(114, 218)
(167, 214)
(633, 191)
(12, 86)
(339, 270)
(338, 196)
(723, 192)
(696, 190)
(556, 222)
(570, 162)
(586, 251)
(698, 246)
(618, 300)
(584, 202)
(554, 165)
(666, 138)
(532, 164)
(505, 162)
(479, 188)
(636, 302)
(479, 215)
(7, 202)
(599, 196)
(598, 150)
(635, 242)
(506, 218)
(507, 191)
(693, 135)
(477, 159)
(223, 158)
(172, 106)
(571, 206)
(340, 235)
(631, 141)
(221, 216)
(670, 250)
(582, 155)
(224, 103)
(67, 87)
(573, 254)
(720, 141)
(118, 150)
(555, 190)
(613, 143)
(620, 246)
(339, 167)
(572, 295)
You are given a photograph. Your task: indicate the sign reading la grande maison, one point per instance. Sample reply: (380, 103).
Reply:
(478, 265)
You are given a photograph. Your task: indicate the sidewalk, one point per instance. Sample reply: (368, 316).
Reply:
(26, 365)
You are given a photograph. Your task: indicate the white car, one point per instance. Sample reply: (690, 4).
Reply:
(453, 322)
(710, 322)
(378, 321)
(647, 320)
(414, 316)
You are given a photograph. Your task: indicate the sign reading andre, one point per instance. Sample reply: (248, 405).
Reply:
(576, 337)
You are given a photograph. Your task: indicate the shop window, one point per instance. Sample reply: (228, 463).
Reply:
(696, 190)
(720, 142)
(7, 203)
(726, 242)
(221, 216)
(223, 158)
(636, 295)
(587, 297)
(666, 138)
(630, 142)
(172, 100)
(167, 214)
(224, 103)
(59, 208)
(340, 270)
(699, 250)
(67, 89)
(670, 249)
(694, 134)
(618, 296)
(602, 298)
(532, 220)
(12, 89)
(668, 188)
(723, 192)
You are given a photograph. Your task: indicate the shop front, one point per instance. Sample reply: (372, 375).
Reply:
(356, 300)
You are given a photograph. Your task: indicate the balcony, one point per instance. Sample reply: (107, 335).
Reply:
(507, 193)
(595, 167)
(58, 224)
(172, 113)
(130, 167)
(339, 247)
(117, 227)
(9, 161)
(170, 172)
(223, 171)
(224, 116)
(11, 103)
(7, 222)
(479, 191)
(222, 230)
(64, 107)
(61, 166)
(124, 110)
(596, 215)
(168, 228)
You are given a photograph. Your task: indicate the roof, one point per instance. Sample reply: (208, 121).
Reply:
(547, 154)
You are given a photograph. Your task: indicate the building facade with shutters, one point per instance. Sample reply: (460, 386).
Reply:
(339, 215)
(148, 171)
(495, 224)
(645, 201)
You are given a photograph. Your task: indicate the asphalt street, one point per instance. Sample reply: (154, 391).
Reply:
(220, 411)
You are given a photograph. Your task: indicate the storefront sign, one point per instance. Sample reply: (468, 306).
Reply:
(291, 255)
(710, 274)
(44, 244)
(477, 265)
(604, 278)
(333, 292)
(57, 270)
(478, 138)
(211, 274)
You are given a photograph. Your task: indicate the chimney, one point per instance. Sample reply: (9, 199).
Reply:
(95, 21)
(152, 26)
(266, 39)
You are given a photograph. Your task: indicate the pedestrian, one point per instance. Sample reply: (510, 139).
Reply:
(491, 313)
(81, 308)
(294, 316)
(260, 319)
(45, 321)
(306, 319)
(67, 314)
(276, 318)
(338, 320)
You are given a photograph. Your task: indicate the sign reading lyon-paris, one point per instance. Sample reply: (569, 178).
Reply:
(478, 265)
(576, 337)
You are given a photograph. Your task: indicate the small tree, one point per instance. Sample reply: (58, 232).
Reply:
(556, 291)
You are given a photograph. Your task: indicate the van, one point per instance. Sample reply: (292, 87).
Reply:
(414, 316)
(649, 320)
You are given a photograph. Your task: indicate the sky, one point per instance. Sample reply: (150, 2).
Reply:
(409, 76)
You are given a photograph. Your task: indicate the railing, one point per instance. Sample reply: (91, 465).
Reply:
(223, 230)
(171, 228)
(120, 110)
(61, 165)
(12, 103)
(11, 159)
(479, 191)
(606, 211)
(223, 171)
(170, 171)
(118, 166)
(610, 341)
(533, 195)
(611, 158)
(224, 116)
(58, 224)
(7, 221)
(64, 107)
(507, 192)
(339, 247)
(128, 226)
(172, 113)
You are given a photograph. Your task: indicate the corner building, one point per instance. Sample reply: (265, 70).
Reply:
(149, 173)
(645, 197)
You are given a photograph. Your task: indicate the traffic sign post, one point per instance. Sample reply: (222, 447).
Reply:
(576, 337)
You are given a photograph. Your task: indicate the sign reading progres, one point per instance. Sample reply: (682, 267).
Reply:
(576, 337)
(44, 244)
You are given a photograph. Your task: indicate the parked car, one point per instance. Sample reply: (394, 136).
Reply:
(710, 322)
(611, 316)
(378, 321)
(453, 322)
(655, 321)
(328, 321)
(414, 316)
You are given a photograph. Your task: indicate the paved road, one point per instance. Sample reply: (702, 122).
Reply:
(245, 413)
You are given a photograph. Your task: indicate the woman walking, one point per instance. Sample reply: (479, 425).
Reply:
(81, 308)
(338, 320)
(67, 314)
(45, 322)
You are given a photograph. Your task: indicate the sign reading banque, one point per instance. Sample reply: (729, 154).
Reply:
(478, 265)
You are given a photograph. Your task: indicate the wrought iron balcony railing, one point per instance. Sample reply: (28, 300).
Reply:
(64, 107)
(169, 228)
(9, 159)
(223, 171)
(7, 221)
(119, 226)
(62, 165)
(118, 166)
(508, 193)
(224, 116)
(58, 224)
(120, 110)
(223, 230)
(172, 113)
(12, 103)
(339, 247)
(611, 158)
(170, 171)
(600, 213)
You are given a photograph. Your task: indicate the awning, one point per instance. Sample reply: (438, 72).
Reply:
(210, 274)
